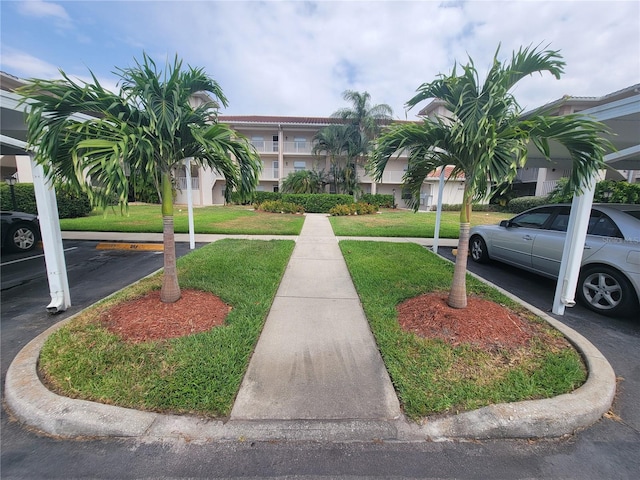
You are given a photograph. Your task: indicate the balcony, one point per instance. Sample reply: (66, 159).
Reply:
(298, 147)
(181, 183)
(265, 146)
(270, 173)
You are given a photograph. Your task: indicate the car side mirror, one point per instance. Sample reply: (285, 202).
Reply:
(505, 223)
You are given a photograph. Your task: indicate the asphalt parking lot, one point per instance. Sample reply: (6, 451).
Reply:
(606, 450)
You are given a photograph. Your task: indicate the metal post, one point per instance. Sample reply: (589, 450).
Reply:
(436, 233)
(51, 240)
(192, 237)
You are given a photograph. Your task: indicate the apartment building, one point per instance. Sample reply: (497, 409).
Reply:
(285, 145)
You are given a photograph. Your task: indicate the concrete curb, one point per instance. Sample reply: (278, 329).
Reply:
(36, 406)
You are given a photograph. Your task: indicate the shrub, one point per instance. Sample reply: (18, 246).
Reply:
(353, 209)
(259, 197)
(521, 204)
(278, 206)
(70, 203)
(606, 191)
(383, 201)
(317, 202)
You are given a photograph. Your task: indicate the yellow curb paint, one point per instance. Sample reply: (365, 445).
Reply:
(156, 247)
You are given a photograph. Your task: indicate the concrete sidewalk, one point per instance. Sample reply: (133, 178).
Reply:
(316, 358)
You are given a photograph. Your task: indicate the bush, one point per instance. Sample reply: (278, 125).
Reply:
(70, 203)
(317, 202)
(383, 201)
(278, 206)
(606, 191)
(260, 197)
(353, 209)
(521, 204)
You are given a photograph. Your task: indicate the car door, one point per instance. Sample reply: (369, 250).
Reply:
(546, 254)
(514, 244)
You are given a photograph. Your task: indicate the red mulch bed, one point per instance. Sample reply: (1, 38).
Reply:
(147, 318)
(483, 323)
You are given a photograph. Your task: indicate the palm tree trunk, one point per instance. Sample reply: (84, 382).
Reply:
(170, 291)
(458, 293)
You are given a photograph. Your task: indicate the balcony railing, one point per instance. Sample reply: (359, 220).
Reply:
(527, 175)
(298, 147)
(265, 146)
(547, 187)
(181, 183)
(270, 173)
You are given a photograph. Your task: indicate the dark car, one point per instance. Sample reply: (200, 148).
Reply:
(609, 281)
(20, 231)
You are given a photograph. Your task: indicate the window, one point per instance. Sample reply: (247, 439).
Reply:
(276, 169)
(258, 142)
(300, 144)
(274, 139)
(601, 225)
(299, 165)
(534, 219)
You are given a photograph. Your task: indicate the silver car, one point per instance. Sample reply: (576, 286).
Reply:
(609, 281)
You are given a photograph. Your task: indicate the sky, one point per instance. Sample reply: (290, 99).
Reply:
(296, 58)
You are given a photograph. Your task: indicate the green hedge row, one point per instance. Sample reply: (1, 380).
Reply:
(310, 202)
(379, 199)
(70, 204)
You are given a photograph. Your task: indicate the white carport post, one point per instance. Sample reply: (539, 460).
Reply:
(192, 237)
(573, 249)
(51, 240)
(436, 233)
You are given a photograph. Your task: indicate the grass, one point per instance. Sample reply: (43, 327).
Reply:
(199, 373)
(404, 223)
(232, 219)
(430, 376)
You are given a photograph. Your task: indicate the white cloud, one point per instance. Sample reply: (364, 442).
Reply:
(42, 9)
(296, 58)
(27, 66)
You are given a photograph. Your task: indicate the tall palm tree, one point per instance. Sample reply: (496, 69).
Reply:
(367, 119)
(146, 130)
(341, 143)
(485, 138)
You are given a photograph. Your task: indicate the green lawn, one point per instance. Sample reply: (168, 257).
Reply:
(198, 373)
(201, 373)
(231, 219)
(404, 223)
(430, 376)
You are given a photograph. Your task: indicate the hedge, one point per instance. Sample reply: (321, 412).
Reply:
(70, 204)
(317, 202)
(520, 204)
(381, 200)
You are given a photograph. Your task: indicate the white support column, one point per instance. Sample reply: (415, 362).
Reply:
(436, 233)
(192, 237)
(51, 240)
(573, 249)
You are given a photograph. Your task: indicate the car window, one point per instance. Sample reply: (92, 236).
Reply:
(533, 219)
(560, 223)
(601, 225)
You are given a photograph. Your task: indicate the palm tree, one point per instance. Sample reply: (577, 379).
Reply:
(146, 130)
(485, 138)
(341, 143)
(367, 119)
(305, 181)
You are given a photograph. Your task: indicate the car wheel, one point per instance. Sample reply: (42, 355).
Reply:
(605, 290)
(22, 238)
(478, 249)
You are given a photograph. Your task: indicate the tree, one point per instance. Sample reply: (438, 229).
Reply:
(146, 131)
(485, 138)
(341, 143)
(367, 119)
(304, 181)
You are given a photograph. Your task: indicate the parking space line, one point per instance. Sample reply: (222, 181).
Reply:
(31, 258)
